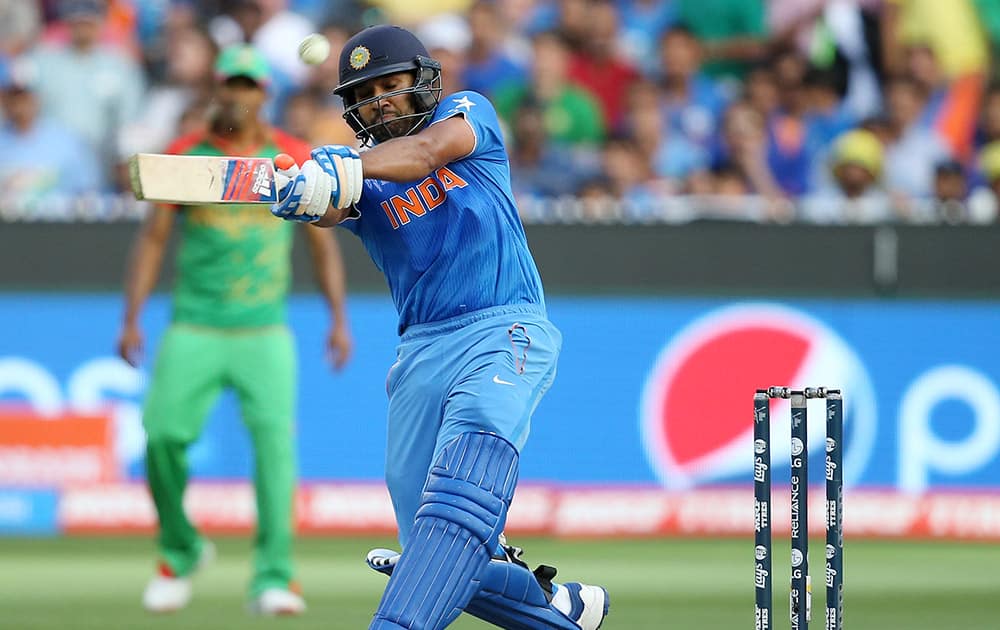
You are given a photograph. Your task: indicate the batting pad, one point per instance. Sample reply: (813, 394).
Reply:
(462, 512)
(511, 598)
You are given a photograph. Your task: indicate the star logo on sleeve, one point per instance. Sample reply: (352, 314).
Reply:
(463, 102)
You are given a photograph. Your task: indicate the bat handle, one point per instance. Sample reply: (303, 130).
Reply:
(285, 171)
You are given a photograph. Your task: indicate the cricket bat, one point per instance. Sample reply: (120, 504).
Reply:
(198, 179)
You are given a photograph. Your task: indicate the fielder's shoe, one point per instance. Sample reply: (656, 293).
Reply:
(586, 605)
(167, 592)
(274, 602)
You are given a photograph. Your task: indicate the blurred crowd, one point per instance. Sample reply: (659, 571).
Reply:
(832, 111)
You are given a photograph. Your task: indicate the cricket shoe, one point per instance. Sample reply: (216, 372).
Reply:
(167, 592)
(279, 602)
(585, 605)
(382, 560)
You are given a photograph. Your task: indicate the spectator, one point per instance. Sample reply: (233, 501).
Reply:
(789, 154)
(20, 23)
(274, 30)
(447, 39)
(38, 156)
(539, 167)
(744, 146)
(793, 22)
(725, 195)
(951, 29)
(410, 12)
(984, 201)
(193, 118)
(570, 19)
(118, 29)
(92, 89)
(856, 196)
(842, 38)
(827, 117)
(952, 105)
(912, 149)
(989, 117)
(950, 194)
(921, 64)
(598, 65)
(732, 31)
(630, 178)
(302, 110)
(310, 116)
(189, 78)
(278, 36)
(572, 115)
(827, 112)
(236, 23)
(643, 22)
(728, 181)
(673, 158)
(488, 62)
(761, 89)
(692, 102)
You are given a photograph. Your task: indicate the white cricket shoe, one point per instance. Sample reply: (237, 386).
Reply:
(585, 605)
(166, 592)
(273, 602)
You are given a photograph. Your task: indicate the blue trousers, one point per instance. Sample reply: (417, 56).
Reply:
(481, 371)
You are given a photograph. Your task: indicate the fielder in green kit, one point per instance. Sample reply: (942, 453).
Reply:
(227, 330)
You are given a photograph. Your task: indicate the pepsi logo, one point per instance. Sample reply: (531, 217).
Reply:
(696, 405)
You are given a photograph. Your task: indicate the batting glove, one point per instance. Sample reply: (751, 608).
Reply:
(343, 165)
(304, 194)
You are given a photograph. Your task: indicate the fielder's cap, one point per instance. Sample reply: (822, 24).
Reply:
(989, 160)
(242, 61)
(73, 9)
(860, 147)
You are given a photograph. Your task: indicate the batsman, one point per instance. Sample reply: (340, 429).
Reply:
(431, 201)
(228, 331)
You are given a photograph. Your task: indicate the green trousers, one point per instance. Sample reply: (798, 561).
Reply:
(192, 368)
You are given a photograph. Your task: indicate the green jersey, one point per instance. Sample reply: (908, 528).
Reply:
(233, 267)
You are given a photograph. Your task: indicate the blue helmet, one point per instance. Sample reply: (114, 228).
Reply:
(378, 51)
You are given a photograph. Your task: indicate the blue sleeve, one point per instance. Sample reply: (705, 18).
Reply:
(478, 111)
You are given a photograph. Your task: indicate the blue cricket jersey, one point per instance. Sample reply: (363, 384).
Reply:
(451, 242)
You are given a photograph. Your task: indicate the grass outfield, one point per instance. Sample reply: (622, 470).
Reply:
(663, 584)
